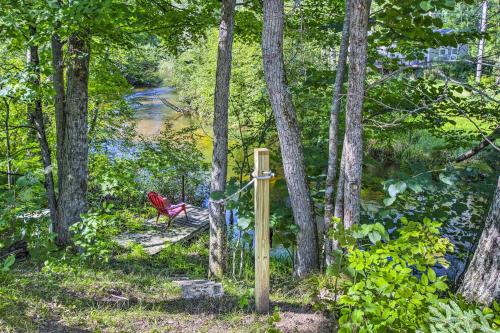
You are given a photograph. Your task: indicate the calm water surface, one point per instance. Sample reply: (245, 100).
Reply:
(151, 117)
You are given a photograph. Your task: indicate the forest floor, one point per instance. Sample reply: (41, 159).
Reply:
(134, 293)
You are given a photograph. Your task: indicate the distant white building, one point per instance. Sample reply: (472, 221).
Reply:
(446, 53)
(441, 54)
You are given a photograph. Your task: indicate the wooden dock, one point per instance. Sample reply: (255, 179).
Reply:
(158, 235)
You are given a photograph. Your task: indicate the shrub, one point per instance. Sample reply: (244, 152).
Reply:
(92, 235)
(393, 282)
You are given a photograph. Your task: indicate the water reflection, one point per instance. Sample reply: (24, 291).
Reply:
(151, 114)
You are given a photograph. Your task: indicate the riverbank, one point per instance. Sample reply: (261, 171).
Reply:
(135, 293)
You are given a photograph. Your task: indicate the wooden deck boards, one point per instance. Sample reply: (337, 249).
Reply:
(157, 235)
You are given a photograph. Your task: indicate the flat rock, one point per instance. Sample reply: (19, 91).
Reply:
(192, 289)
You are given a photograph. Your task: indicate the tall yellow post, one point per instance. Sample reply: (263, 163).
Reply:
(261, 201)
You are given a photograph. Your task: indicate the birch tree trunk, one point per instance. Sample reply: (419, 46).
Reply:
(482, 280)
(339, 199)
(218, 242)
(36, 119)
(289, 137)
(7, 144)
(333, 139)
(482, 40)
(353, 144)
(73, 145)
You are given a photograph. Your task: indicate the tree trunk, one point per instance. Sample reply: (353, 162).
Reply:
(482, 280)
(333, 134)
(59, 98)
(353, 144)
(289, 137)
(218, 242)
(482, 40)
(35, 115)
(339, 199)
(59, 101)
(73, 154)
(7, 143)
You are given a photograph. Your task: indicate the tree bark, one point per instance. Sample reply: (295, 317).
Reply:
(289, 137)
(333, 139)
(59, 98)
(482, 280)
(339, 199)
(218, 241)
(36, 119)
(73, 153)
(482, 40)
(7, 143)
(353, 144)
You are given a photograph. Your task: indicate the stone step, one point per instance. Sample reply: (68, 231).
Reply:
(192, 289)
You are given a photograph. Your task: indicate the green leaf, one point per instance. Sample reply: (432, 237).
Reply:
(357, 316)
(440, 285)
(343, 319)
(445, 179)
(496, 306)
(449, 4)
(392, 190)
(244, 223)
(401, 186)
(8, 262)
(415, 187)
(217, 195)
(389, 201)
(431, 274)
(426, 5)
(374, 237)
(424, 280)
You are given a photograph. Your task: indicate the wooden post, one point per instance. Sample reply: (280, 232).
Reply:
(261, 201)
(183, 189)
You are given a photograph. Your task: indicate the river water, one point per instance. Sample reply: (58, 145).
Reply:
(151, 116)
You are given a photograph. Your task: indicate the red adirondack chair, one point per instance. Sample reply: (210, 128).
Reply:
(164, 207)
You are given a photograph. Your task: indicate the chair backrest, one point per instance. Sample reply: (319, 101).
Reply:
(158, 201)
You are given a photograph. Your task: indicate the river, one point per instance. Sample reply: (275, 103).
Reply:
(152, 115)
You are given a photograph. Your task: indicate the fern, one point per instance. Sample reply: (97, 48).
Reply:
(450, 318)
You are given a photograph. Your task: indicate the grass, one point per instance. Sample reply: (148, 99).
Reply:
(133, 293)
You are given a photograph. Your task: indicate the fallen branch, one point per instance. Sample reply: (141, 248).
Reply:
(174, 107)
(485, 143)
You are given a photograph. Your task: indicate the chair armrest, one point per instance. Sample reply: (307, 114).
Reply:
(176, 206)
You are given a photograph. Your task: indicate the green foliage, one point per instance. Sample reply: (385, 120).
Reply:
(457, 195)
(393, 281)
(150, 166)
(414, 123)
(140, 65)
(93, 234)
(450, 318)
(7, 263)
(245, 298)
(190, 259)
(273, 319)
(22, 216)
